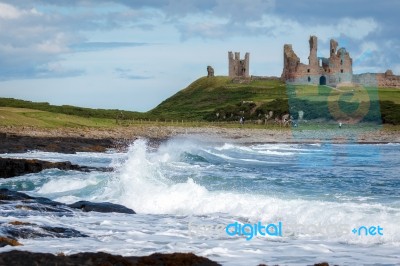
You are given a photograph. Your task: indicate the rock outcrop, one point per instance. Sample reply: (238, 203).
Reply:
(19, 204)
(28, 258)
(88, 206)
(10, 143)
(26, 202)
(10, 167)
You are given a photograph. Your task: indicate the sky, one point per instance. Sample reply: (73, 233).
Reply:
(133, 54)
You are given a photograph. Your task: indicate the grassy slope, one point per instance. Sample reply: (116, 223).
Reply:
(206, 94)
(10, 116)
(69, 110)
(199, 99)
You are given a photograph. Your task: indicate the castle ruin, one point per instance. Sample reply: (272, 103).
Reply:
(320, 70)
(333, 71)
(238, 68)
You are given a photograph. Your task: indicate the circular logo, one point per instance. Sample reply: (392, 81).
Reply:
(350, 105)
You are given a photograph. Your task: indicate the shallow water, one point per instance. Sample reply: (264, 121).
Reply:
(186, 192)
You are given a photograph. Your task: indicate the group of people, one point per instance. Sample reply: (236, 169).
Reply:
(294, 123)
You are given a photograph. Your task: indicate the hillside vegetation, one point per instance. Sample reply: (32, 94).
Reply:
(205, 96)
(223, 99)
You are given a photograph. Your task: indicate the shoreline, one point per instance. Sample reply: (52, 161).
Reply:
(71, 140)
(66, 137)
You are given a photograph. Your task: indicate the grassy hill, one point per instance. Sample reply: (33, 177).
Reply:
(206, 97)
(10, 116)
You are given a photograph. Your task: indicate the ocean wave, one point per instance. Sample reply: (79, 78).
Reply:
(142, 186)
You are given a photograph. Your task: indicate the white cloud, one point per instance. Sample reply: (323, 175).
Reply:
(56, 45)
(117, 33)
(357, 29)
(9, 12)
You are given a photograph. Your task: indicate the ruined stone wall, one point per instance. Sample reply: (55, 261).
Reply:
(366, 79)
(313, 59)
(331, 71)
(292, 69)
(238, 67)
(340, 68)
(387, 79)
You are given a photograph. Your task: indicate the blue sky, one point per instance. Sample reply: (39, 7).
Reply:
(134, 54)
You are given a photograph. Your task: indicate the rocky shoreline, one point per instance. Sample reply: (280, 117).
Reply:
(13, 232)
(17, 140)
(10, 167)
(18, 143)
(100, 258)
(13, 202)
(72, 140)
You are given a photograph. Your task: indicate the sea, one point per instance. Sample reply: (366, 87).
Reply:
(335, 203)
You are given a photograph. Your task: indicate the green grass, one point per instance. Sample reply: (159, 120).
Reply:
(10, 116)
(206, 97)
(23, 117)
(389, 94)
(70, 110)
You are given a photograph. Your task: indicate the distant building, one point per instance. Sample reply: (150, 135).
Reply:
(333, 71)
(238, 67)
(320, 70)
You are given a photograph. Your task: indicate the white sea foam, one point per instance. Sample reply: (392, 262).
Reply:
(142, 185)
(146, 180)
(63, 185)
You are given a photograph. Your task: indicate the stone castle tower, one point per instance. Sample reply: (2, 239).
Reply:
(330, 71)
(238, 67)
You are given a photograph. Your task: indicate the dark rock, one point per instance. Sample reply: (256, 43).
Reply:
(88, 206)
(42, 208)
(46, 205)
(37, 231)
(10, 167)
(25, 258)
(62, 232)
(10, 195)
(32, 203)
(176, 259)
(17, 203)
(17, 144)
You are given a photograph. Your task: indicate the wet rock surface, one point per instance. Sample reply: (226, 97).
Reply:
(23, 201)
(27, 231)
(5, 241)
(28, 258)
(88, 206)
(17, 204)
(11, 143)
(10, 167)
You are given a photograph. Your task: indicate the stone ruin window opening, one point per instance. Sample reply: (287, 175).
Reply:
(341, 61)
(309, 79)
(341, 71)
(308, 70)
